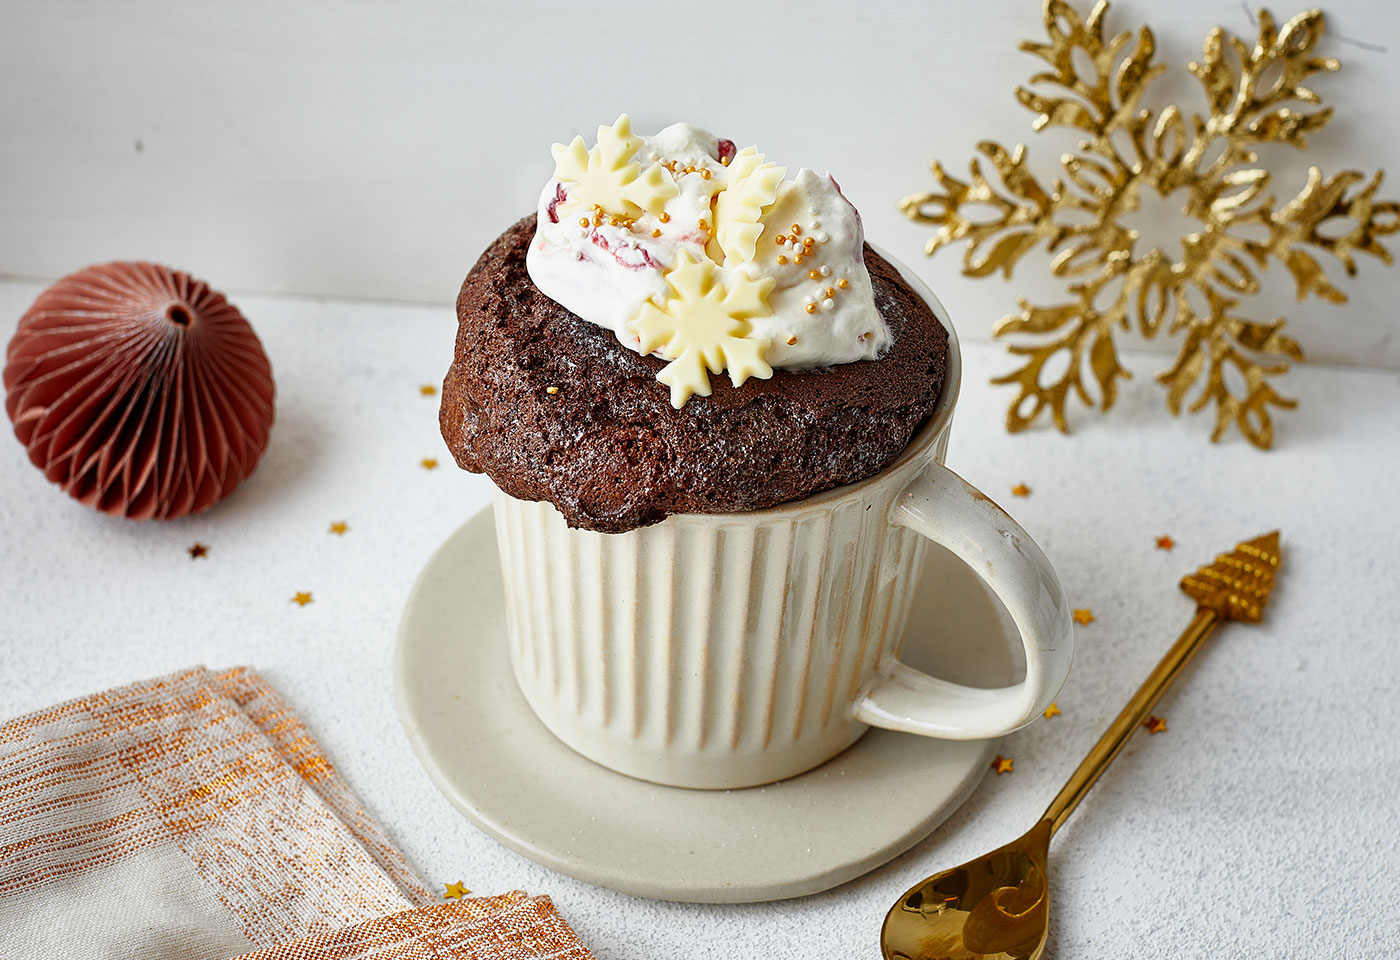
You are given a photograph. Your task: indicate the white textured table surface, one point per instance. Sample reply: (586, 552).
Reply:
(1263, 823)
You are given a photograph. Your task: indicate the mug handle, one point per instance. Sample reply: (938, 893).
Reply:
(946, 509)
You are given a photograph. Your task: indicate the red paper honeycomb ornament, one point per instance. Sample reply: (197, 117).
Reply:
(139, 390)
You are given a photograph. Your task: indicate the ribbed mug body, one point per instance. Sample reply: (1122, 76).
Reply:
(721, 650)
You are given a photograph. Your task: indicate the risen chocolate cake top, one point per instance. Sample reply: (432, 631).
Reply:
(554, 408)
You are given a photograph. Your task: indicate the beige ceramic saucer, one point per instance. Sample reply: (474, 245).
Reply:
(488, 754)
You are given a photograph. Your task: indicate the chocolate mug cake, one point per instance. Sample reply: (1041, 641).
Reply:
(716, 422)
(591, 335)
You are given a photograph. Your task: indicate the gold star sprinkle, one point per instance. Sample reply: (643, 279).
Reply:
(1155, 724)
(1053, 711)
(339, 527)
(1084, 616)
(1165, 543)
(455, 891)
(1002, 764)
(428, 463)
(428, 390)
(197, 551)
(302, 598)
(1020, 490)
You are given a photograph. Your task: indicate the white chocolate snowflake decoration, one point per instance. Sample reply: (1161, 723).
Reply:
(703, 325)
(610, 176)
(752, 188)
(670, 242)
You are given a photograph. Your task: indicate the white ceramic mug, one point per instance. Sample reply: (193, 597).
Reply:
(729, 650)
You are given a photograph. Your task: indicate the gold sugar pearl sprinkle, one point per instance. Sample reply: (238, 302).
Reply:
(551, 390)
(814, 275)
(782, 259)
(791, 341)
(781, 240)
(664, 217)
(583, 221)
(843, 283)
(811, 308)
(724, 161)
(796, 230)
(704, 224)
(797, 259)
(704, 174)
(656, 233)
(830, 293)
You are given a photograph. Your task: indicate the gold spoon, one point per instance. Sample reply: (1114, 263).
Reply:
(997, 906)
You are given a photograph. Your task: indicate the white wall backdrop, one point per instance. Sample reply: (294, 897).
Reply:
(352, 148)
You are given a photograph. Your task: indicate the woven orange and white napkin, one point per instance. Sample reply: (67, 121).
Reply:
(194, 816)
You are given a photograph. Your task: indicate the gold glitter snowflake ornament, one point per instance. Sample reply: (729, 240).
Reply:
(703, 324)
(1116, 284)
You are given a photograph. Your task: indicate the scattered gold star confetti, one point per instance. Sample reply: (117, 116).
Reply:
(1002, 764)
(455, 891)
(339, 527)
(1165, 543)
(1020, 490)
(1053, 711)
(428, 390)
(302, 598)
(428, 463)
(1155, 724)
(1084, 616)
(198, 550)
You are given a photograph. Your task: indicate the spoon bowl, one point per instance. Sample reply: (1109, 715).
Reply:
(995, 907)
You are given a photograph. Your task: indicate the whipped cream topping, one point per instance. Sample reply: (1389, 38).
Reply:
(604, 247)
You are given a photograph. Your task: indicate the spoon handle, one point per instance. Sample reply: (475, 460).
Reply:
(1133, 714)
